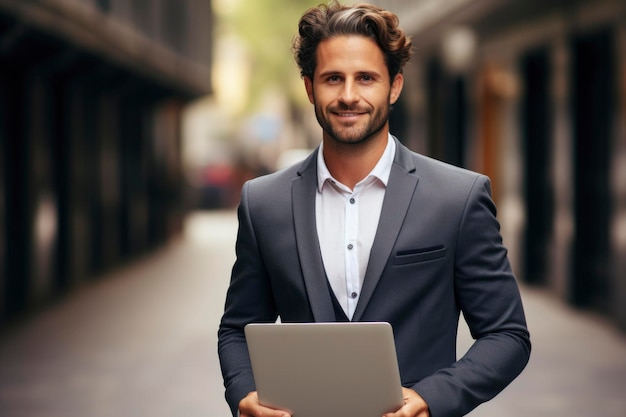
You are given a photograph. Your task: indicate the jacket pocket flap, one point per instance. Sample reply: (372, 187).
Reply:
(419, 255)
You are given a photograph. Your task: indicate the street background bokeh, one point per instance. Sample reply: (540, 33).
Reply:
(127, 128)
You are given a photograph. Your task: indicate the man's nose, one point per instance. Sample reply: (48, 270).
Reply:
(349, 92)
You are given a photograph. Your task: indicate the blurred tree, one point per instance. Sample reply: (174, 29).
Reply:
(267, 27)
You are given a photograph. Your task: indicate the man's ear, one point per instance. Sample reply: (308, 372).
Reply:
(308, 84)
(396, 88)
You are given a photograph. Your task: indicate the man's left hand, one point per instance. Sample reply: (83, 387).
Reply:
(414, 405)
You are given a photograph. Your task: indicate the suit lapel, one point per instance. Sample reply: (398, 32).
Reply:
(303, 198)
(400, 189)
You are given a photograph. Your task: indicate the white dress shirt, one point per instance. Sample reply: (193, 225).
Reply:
(346, 225)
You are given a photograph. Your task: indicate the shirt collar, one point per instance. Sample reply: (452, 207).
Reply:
(382, 170)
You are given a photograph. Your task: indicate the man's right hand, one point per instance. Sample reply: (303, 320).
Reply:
(250, 407)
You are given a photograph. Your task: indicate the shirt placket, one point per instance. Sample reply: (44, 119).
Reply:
(351, 253)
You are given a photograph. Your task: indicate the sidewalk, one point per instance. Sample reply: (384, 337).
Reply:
(142, 342)
(577, 366)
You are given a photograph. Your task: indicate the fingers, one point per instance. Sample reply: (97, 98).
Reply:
(414, 406)
(250, 407)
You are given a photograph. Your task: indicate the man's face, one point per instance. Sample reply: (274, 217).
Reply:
(351, 89)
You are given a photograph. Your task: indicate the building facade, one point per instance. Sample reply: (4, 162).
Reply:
(91, 95)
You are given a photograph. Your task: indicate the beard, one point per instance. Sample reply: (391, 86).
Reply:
(355, 133)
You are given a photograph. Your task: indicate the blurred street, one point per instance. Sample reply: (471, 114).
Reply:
(141, 341)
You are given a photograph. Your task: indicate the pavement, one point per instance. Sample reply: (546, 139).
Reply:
(141, 341)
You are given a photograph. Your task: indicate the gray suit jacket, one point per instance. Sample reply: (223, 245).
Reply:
(437, 252)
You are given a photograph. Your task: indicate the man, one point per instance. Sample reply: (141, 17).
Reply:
(366, 230)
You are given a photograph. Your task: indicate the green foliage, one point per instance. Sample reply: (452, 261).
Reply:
(268, 28)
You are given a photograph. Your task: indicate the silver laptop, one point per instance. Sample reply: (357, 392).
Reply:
(326, 369)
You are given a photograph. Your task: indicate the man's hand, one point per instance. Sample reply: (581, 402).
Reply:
(414, 405)
(250, 407)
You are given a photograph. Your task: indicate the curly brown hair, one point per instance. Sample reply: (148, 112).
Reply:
(326, 21)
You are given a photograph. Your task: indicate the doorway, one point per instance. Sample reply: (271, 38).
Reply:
(536, 145)
(593, 100)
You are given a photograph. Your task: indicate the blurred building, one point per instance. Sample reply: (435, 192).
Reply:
(91, 95)
(533, 94)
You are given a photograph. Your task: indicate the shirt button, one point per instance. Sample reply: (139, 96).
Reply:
(352, 200)
(353, 295)
(350, 246)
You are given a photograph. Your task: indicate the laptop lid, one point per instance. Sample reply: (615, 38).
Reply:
(326, 369)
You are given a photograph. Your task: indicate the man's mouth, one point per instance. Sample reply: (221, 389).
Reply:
(348, 113)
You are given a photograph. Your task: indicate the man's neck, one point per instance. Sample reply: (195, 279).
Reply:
(350, 163)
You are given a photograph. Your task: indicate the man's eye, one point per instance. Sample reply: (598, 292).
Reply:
(333, 78)
(367, 78)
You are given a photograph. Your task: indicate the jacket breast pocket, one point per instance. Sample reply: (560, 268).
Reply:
(413, 256)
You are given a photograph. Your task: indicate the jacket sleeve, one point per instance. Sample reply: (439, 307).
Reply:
(489, 298)
(249, 299)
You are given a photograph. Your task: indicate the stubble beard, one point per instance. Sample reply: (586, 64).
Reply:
(354, 134)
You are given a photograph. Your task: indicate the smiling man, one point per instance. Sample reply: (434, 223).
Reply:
(352, 94)
(366, 230)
